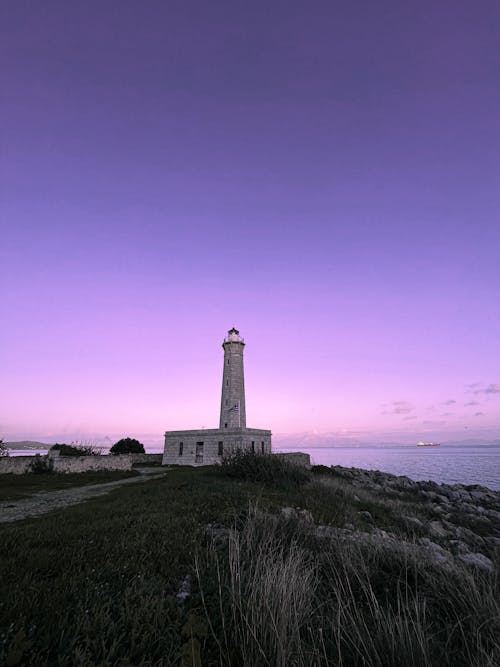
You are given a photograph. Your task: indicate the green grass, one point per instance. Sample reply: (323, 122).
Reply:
(14, 487)
(96, 584)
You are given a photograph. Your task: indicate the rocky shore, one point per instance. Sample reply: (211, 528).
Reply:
(440, 522)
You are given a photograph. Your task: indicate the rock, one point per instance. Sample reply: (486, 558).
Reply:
(366, 516)
(435, 552)
(290, 513)
(305, 515)
(436, 529)
(459, 547)
(478, 495)
(413, 522)
(477, 560)
(493, 542)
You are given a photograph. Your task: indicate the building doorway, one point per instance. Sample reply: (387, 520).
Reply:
(199, 452)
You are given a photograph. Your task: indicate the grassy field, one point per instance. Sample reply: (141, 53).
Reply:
(99, 583)
(14, 487)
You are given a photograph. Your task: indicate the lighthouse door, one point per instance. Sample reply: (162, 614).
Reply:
(199, 452)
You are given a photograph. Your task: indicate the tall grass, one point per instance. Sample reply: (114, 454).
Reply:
(266, 468)
(274, 595)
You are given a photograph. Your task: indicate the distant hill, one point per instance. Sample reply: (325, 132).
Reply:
(27, 444)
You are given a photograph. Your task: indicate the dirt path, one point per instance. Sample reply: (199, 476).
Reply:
(43, 502)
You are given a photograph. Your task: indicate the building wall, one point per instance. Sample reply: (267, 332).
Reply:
(232, 440)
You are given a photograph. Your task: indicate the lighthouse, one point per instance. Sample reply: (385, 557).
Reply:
(232, 406)
(208, 446)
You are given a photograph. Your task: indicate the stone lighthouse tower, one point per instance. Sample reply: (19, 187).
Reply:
(232, 407)
(208, 445)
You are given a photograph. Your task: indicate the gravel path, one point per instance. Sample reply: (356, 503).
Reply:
(43, 502)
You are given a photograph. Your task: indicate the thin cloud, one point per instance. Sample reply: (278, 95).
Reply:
(446, 414)
(399, 408)
(405, 419)
(493, 388)
(451, 401)
(479, 414)
(471, 403)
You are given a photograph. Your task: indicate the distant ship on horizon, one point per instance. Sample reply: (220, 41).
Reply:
(421, 443)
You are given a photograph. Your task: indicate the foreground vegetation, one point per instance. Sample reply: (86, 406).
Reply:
(217, 566)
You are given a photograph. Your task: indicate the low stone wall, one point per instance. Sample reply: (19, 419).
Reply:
(85, 463)
(15, 465)
(297, 458)
(139, 459)
(19, 465)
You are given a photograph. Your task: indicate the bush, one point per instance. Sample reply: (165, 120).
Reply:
(4, 450)
(127, 446)
(74, 450)
(267, 468)
(41, 465)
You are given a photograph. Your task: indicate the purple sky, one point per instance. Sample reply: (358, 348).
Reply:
(323, 176)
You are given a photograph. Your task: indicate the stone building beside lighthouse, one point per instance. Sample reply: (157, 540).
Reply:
(207, 446)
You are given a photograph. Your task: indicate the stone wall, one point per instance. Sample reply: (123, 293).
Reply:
(297, 458)
(201, 447)
(18, 465)
(15, 465)
(85, 463)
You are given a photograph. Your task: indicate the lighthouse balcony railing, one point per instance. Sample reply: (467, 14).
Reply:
(234, 339)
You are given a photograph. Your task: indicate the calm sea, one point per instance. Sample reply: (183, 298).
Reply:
(452, 464)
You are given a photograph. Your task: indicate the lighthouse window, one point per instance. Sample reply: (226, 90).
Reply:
(225, 425)
(228, 362)
(253, 446)
(181, 448)
(221, 448)
(262, 446)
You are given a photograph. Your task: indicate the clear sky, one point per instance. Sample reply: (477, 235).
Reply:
(325, 176)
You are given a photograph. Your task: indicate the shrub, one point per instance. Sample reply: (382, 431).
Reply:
(4, 450)
(127, 446)
(41, 465)
(267, 468)
(74, 450)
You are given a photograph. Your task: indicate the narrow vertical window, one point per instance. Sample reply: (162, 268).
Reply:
(221, 448)
(262, 446)
(225, 425)
(253, 446)
(181, 448)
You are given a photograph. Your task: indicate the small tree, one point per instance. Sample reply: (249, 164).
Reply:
(4, 450)
(127, 446)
